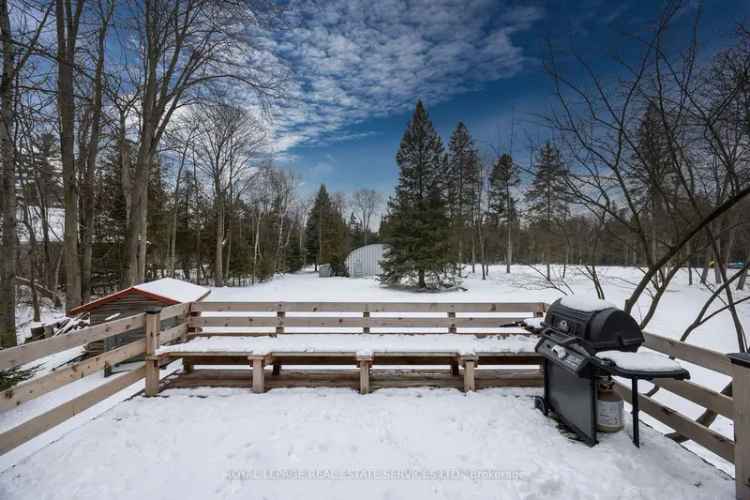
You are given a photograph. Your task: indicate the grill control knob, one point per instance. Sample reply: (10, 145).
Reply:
(559, 351)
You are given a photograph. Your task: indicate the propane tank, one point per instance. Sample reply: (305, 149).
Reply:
(609, 407)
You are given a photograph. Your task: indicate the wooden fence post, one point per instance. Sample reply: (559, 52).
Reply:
(279, 331)
(741, 397)
(192, 331)
(365, 361)
(452, 329)
(257, 362)
(365, 315)
(469, 361)
(153, 325)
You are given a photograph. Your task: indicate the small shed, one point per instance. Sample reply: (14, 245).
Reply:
(134, 300)
(365, 261)
(325, 271)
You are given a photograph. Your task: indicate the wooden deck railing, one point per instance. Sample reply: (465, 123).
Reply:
(27, 391)
(277, 317)
(736, 407)
(308, 315)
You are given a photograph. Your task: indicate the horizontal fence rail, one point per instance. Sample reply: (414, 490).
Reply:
(22, 354)
(707, 358)
(710, 439)
(57, 378)
(372, 307)
(343, 322)
(734, 407)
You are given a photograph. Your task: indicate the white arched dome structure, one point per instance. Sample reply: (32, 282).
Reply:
(365, 261)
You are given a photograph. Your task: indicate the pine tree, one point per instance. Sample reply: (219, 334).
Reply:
(417, 222)
(501, 204)
(356, 231)
(547, 196)
(326, 233)
(650, 172)
(462, 182)
(294, 258)
(313, 230)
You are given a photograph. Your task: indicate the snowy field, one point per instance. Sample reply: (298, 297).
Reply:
(212, 443)
(336, 444)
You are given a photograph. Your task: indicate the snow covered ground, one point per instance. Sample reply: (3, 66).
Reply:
(201, 439)
(333, 443)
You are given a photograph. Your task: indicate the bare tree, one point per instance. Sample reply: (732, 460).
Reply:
(180, 138)
(185, 44)
(89, 138)
(17, 48)
(366, 202)
(227, 138)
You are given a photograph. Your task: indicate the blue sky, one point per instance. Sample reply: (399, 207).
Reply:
(359, 66)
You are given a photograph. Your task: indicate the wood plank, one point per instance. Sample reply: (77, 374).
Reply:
(713, 360)
(721, 404)
(491, 333)
(469, 382)
(37, 425)
(257, 364)
(348, 322)
(172, 334)
(34, 388)
(152, 344)
(175, 310)
(351, 379)
(704, 436)
(741, 390)
(16, 356)
(364, 376)
(372, 307)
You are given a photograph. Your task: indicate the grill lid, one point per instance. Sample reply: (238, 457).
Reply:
(598, 324)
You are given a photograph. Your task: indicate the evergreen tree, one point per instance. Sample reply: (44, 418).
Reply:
(417, 222)
(547, 199)
(356, 231)
(326, 233)
(294, 258)
(651, 171)
(463, 184)
(313, 230)
(501, 203)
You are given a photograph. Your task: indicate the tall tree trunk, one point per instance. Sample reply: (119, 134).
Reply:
(706, 267)
(508, 247)
(743, 278)
(137, 226)
(689, 252)
(30, 258)
(92, 151)
(67, 34)
(228, 237)
(219, 258)
(256, 245)
(8, 266)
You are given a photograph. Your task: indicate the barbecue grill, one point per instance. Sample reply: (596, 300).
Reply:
(582, 341)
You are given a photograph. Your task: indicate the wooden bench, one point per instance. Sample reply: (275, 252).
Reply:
(364, 361)
(420, 321)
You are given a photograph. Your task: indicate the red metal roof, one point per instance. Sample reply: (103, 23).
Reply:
(117, 295)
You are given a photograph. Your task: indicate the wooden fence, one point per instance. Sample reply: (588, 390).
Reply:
(736, 407)
(434, 315)
(27, 391)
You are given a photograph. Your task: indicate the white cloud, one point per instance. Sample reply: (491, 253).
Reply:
(356, 59)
